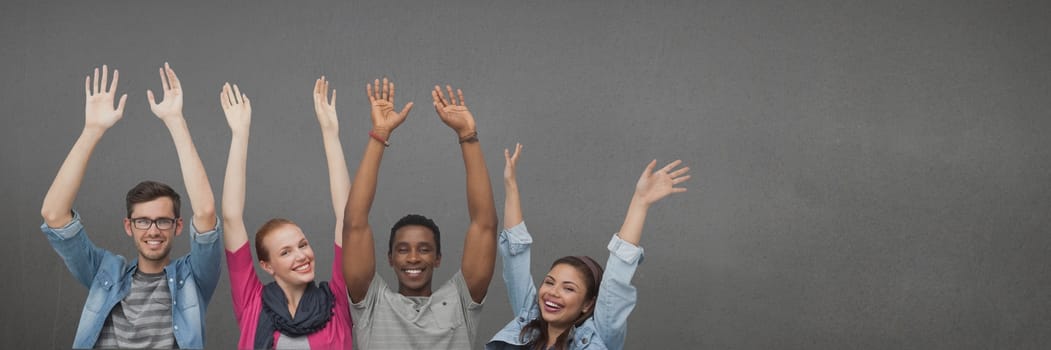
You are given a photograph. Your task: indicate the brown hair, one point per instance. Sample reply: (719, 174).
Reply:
(149, 190)
(537, 328)
(265, 230)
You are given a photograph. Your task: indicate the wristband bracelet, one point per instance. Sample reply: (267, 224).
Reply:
(472, 137)
(377, 137)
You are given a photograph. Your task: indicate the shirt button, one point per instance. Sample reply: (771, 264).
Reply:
(176, 327)
(172, 280)
(174, 302)
(584, 340)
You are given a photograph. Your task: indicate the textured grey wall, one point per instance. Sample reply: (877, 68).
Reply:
(866, 174)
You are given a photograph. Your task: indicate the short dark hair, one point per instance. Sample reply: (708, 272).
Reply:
(417, 220)
(149, 190)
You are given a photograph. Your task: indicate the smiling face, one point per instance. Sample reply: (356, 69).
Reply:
(154, 244)
(290, 259)
(563, 297)
(414, 257)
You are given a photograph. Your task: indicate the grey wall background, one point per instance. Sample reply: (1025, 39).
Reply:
(866, 174)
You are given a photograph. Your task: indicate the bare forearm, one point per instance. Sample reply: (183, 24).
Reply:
(512, 204)
(338, 179)
(234, 232)
(58, 203)
(479, 258)
(202, 200)
(631, 230)
(480, 204)
(359, 256)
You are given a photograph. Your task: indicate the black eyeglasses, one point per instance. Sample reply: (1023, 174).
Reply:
(145, 223)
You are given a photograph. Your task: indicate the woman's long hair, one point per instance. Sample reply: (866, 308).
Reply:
(537, 328)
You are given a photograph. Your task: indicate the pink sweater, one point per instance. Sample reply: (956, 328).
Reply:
(248, 302)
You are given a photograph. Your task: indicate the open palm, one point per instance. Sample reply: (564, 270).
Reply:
(655, 185)
(453, 111)
(98, 106)
(384, 118)
(171, 106)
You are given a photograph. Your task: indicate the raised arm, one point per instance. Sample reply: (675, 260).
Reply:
(238, 111)
(616, 296)
(512, 203)
(479, 257)
(99, 116)
(202, 200)
(338, 176)
(359, 256)
(651, 187)
(514, 243)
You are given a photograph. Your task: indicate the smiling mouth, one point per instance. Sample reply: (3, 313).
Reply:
(551, 306)
(153, 243)
(413, 272)
(302, 268)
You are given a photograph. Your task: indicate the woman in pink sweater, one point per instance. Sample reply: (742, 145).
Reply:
(292, 312)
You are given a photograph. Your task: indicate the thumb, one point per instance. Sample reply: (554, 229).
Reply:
(149, 97)
(120, 105)
(405, 111)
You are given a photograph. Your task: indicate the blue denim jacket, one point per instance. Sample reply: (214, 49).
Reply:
(191, 279)
(616, 296)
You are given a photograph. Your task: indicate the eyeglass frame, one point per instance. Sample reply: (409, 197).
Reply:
(153, 222)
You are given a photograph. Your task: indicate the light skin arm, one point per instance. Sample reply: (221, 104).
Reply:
(359, 256)
(512, 202)
(238, 111)
(99, 116)
(338, 176)
(202, 200)
(479, 258)
(651, 187)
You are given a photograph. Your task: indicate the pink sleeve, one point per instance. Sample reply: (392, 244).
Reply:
(244, 284)
(338, 284)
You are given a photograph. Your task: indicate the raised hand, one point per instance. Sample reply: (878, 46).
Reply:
(325, 108)
(384, 118)
(171, 107)
(237, 108)
(654, 185)
(98, 107)
(510, 161)
(453, 113)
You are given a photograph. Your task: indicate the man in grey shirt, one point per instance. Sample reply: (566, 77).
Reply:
(417, 316)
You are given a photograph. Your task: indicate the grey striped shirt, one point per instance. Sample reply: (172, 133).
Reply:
(385, 319)
(143, 320)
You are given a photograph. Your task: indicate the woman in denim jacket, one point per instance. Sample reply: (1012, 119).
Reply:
(570, 311)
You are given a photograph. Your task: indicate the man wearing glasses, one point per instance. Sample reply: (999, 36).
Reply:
(152, 301)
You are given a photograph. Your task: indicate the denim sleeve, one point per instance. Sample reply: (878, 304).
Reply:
(206, 252)
(616, 295)
(514, 247)
(82, 257)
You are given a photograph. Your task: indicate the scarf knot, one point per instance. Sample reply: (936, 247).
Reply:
(312, 314)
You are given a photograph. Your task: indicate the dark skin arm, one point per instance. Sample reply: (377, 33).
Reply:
(479, 257)
(359, 256)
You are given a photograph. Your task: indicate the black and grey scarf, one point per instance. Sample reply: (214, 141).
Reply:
(312, 314)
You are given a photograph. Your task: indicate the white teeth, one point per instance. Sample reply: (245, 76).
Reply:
(153, 242)
(301, 268)
(413, 270)
(548, 303)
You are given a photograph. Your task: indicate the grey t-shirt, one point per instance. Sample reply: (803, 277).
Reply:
(143, 320)
(385, 319)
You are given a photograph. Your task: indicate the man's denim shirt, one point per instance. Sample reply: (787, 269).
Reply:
(616, 297)
(191, 279)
